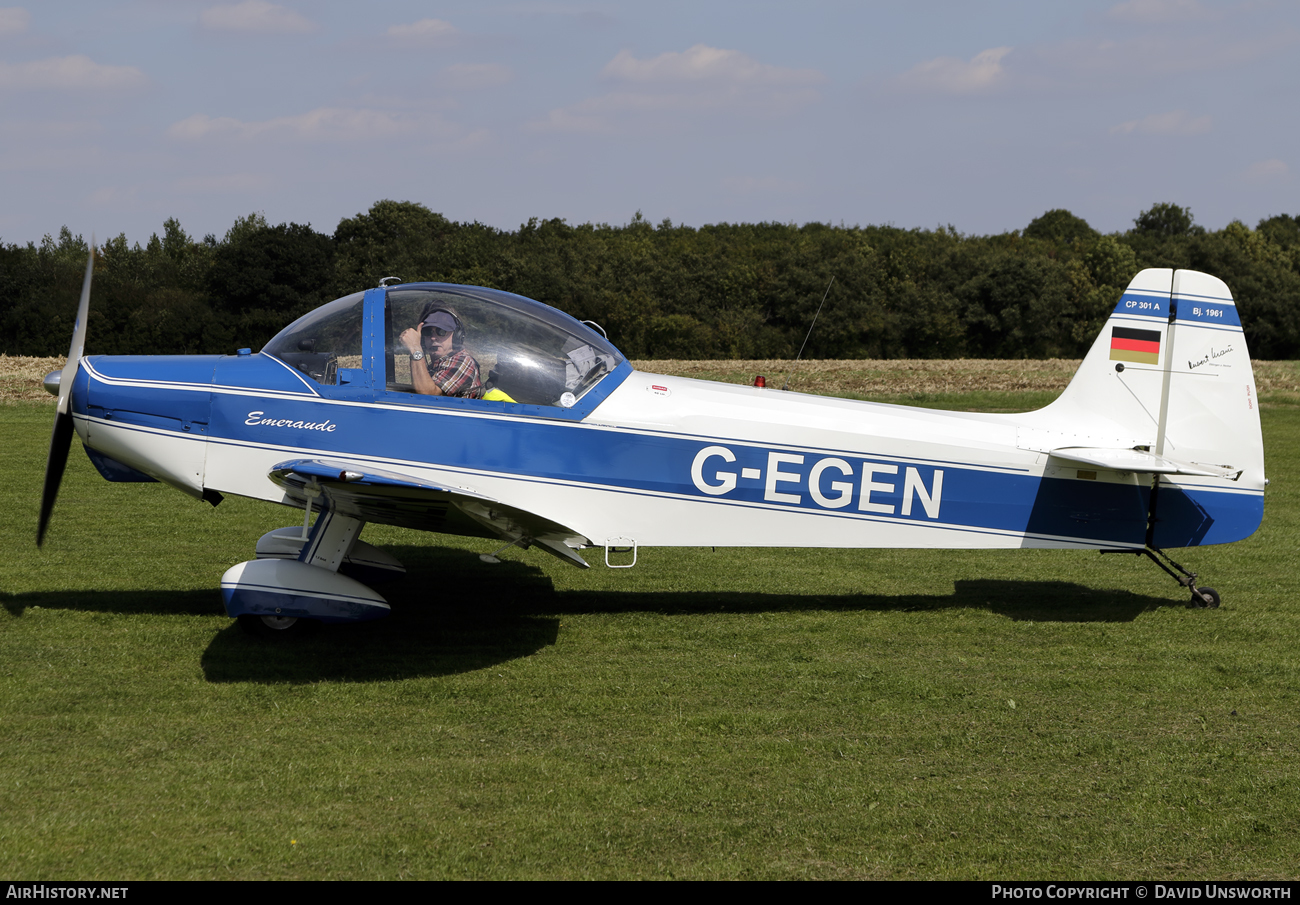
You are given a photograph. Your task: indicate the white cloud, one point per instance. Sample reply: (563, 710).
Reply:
(1157, 11)
(1268, 172)
(702, 63)
(325, 124)
(571, 119)
(257, 17)
(950, 75)
(477, 75)
(701, 81)
(13, 20)
(426, 31)
(595, 113)
(1176, 122)
(321, 124)
(75, 73)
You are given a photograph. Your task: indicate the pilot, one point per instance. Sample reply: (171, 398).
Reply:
(438, 340)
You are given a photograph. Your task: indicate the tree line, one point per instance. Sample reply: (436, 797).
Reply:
(660, 291)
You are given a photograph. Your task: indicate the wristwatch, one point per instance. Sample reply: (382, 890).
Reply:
(417, 355)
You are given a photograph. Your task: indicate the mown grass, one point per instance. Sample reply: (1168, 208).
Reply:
(752, 714)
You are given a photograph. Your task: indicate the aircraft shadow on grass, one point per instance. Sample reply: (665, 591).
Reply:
(512, 610)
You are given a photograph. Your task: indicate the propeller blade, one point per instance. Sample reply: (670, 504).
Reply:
(78, 333)
(60, 442)
(61, 435)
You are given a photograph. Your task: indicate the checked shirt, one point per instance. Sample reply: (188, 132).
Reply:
(457, 375)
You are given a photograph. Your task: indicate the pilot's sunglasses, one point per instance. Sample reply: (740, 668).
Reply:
(439, 332)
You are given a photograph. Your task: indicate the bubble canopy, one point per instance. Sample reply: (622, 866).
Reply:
(524, 352)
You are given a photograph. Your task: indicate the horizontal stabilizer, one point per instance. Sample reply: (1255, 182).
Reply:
(1137, 460)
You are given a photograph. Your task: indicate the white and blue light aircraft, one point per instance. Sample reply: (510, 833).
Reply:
(1154, 444)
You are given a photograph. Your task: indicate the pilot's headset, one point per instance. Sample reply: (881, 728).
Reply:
(443, 319)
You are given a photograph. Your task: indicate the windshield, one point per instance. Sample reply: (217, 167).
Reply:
(322, 341)
(488, 344)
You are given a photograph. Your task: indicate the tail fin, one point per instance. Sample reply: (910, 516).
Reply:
(1168, 390)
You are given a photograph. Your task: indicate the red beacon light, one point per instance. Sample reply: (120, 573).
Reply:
(760, 381)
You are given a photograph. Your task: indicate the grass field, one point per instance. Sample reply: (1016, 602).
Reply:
(729, 714)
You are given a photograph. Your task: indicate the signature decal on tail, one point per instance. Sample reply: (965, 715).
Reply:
(1208, 359)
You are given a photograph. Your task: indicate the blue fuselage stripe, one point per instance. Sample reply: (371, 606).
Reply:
(857, 485)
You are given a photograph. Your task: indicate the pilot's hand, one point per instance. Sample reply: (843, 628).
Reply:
(411, 339)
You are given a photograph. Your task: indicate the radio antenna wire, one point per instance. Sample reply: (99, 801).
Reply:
(810, 330)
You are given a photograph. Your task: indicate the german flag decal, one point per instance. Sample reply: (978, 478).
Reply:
(1141, 346)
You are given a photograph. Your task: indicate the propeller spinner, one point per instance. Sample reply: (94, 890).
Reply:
(61, 435)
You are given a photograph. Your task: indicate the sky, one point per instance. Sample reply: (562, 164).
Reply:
(117, 114)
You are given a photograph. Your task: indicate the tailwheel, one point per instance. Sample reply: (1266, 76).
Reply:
(277, 627)
(1202, 598)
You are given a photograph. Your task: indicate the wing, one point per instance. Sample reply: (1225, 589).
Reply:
(392, 498)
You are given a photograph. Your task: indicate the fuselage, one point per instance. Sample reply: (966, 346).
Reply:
(658, 461)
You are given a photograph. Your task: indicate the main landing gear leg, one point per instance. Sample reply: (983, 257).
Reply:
(1201, 597)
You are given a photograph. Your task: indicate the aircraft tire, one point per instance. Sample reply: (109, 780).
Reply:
(1207, 597)
(279, 628)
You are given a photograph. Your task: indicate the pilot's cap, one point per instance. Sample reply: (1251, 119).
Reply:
(442, 320)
